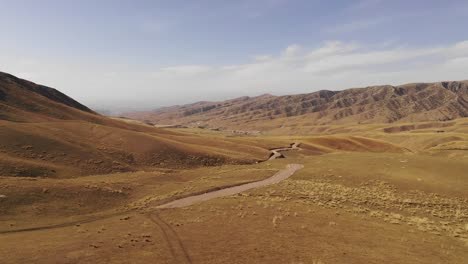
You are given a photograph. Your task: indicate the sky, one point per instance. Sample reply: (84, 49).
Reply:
(137, 55)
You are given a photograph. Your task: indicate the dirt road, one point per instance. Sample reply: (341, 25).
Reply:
(279, 176)
(276, 153)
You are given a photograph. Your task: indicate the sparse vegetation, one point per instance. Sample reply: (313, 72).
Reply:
(82, 188)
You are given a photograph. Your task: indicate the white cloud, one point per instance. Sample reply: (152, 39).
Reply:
(292, 50)
(366, 59)
(331, 48)
(260, 58)
(296, 69)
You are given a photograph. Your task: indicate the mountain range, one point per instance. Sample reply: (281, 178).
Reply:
(414, 102)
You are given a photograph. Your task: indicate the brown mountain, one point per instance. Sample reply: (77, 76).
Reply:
(22, 100)
(45, 133)
(377, 104)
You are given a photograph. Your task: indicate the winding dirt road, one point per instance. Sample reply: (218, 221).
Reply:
(276, 153)
(176, 246)
(279, 176)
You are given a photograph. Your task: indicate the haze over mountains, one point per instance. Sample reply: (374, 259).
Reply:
(45, 133)
(415, 102)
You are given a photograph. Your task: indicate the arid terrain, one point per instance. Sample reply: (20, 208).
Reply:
(269, 114)
(335, 184)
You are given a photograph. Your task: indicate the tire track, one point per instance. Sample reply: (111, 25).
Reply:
(178, 251)
(67, 224)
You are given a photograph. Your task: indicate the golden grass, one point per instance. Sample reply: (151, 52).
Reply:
(365, 196)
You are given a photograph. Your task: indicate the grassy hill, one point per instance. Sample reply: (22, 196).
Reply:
(46, 133)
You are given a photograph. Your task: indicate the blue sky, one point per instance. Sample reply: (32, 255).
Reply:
(146, 54)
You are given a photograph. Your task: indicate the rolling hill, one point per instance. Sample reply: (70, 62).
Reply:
(25, 101)
(415, 102)
(45, 133)
(102, 185)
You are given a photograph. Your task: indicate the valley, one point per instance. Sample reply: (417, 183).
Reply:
(243, 132)
(85, 188)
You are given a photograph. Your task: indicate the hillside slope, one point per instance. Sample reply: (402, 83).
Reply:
(22, 100)
(377, 104)
(45, 133)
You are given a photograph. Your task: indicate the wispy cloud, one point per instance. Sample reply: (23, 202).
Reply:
(296, 69)
(331, 48)
(356, 25)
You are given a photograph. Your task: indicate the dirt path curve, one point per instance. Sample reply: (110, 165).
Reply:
(279, 176)
(276, 153)
(176, 246)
